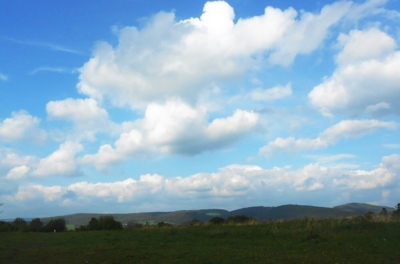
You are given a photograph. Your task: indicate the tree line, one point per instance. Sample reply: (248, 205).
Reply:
(107, 222)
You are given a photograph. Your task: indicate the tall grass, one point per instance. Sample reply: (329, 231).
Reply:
(349, 240)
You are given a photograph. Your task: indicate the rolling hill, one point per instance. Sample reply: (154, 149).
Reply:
(262, 213)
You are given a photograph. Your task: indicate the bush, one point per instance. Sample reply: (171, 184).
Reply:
(6, 227)
(216, 221)
(132, 225)
(238, 219)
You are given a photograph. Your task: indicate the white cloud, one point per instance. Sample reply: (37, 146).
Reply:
(76, 110)
(22, 126)
(60, 162)
(385, 175)
(175, 127)
(169, 58)
(307, 35)
(32, 191)
(366, 80)
(10, 158)
(344, 129)
(354, 48)
(271, 94)
(231, 183)
(18, 172)
(86, 115)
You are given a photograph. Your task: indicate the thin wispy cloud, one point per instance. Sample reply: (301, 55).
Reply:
(50, 69)
(392, 146)
(50, 46)
(3, 77)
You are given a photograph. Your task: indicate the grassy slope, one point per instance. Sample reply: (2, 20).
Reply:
(298, 241)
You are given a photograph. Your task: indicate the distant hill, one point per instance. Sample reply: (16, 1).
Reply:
(363, 207)
(262, 213)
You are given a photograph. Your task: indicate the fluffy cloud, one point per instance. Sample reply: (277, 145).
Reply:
(169, 58)
(175, 127)
(308, 33)
(384, 176)
(271, 94)
(344, 129)
(60, 162)
(85, 114)
(366, 80)
(18, 172)
(22, 126)
(231, 183)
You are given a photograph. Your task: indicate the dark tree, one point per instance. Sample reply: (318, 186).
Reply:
(20, 224)
(107, 222)
(35, 225)
(56, 224)
(383, 212)
(396, 213)
(93, 224)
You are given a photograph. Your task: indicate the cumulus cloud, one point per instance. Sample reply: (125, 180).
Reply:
(271, 94)
(366, 80)
(231, 183)
(168, 58)
(22, 126)
(177, 128)
(61, 161)
(87, 116)
(308, 33)
(18, 172)
(385, 175)
(344, 129)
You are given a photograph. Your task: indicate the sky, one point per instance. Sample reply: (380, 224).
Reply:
(147, 105)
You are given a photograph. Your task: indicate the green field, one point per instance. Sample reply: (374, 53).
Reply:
(356, 240)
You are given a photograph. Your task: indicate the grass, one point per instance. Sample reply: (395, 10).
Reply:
(356, 240)
(70, 227)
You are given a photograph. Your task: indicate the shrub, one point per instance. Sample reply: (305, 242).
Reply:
(6, 227)
(216, 221)
(238, 219)
(132, 224)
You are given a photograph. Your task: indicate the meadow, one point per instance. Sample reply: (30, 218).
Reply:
(353, 240)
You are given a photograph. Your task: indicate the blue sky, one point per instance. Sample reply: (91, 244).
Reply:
(134, 106)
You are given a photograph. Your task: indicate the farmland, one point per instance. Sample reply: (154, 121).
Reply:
(346, 240)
